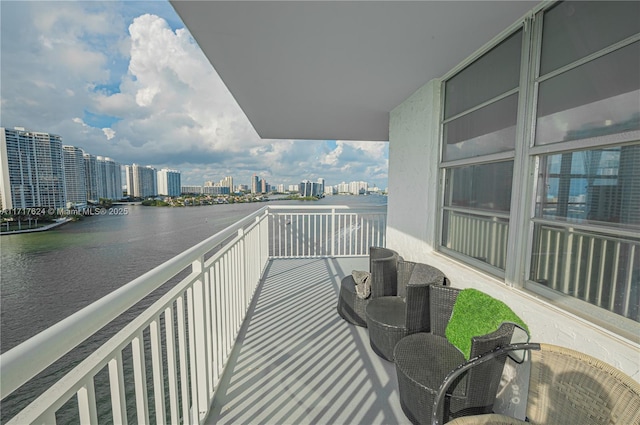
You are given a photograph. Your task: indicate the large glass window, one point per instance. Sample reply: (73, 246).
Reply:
(478, 118)
(594, 264)
(587, 201)
(476, 220)
(578, 144)
(481, 109)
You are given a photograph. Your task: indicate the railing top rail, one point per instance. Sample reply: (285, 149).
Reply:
(48, 346)
(326, 207)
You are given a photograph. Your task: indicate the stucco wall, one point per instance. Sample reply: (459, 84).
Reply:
(411, 230)
(413, 184)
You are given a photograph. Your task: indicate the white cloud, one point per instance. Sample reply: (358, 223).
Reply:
(109, 133)
(82, 62)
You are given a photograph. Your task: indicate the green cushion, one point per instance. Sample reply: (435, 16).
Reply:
(474, 314)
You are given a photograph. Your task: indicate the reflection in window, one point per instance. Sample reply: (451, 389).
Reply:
(597, 268)
(494, 73)
(485, 188)
(480, 237)
(595, 99)
(601, 185)
(598, 186)
(482, 186)
(488, 130)
(575, 29)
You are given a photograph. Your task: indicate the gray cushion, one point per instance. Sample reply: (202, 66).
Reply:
(362, 280)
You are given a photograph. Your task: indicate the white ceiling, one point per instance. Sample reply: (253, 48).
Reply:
(335, 69)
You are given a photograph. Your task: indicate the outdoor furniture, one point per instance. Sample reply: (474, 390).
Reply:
(383, 268)
(391, 318)
(423, 359)
(569, 387)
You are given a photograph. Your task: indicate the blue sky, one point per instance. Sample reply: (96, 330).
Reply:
(126, 80)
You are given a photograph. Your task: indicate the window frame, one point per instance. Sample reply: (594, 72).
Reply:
(526, 158)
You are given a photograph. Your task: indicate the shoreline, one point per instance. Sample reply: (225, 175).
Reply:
(38, 229)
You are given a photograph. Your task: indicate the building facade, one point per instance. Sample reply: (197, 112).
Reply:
(75, 176)
(109, 178)
(91, 177)
(255, 184)
(311, 189)
(169, 182)
(539, 168)
(141, 181)
(32, 172)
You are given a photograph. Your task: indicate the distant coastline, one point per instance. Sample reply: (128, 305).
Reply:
(50, 226)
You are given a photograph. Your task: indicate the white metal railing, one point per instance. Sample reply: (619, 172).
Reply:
(601, 270)
(338, 231)
(165, 364)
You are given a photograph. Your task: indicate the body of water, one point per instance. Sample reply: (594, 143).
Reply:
(47, 276)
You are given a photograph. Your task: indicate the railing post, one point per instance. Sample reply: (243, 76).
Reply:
(333, 231)
(264, 239)
(242, 264)
(116, 383)
(200, 339)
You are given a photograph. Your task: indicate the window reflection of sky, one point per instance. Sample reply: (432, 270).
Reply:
(613, 115)
(499, 141)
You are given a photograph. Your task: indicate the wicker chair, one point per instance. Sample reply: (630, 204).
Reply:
(383, 263)
(423, 360)
(569, 387)
(391, 318)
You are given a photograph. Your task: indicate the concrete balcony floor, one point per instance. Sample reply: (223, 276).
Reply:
(297, 361)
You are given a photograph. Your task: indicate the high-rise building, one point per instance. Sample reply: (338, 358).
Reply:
(358, 188)
(227, 182)
(330, 190)
(264, 186)
(343, 187)
(141, 181)
(190, 189)
(74, 175)
(32, 173)
(169, 182)
(255, 184)
(109, 178)
(91, 177)
(321, 183)
(308, 189)
(216, 190)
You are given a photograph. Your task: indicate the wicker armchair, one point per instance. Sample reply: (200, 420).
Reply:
(423, 360)
(391, 318)
(383, 263)
(569, 387)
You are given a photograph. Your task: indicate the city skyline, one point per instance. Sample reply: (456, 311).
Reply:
(103, 76)
(39, 170)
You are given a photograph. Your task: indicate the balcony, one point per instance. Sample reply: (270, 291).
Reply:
(296, 361)
(249, 333)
